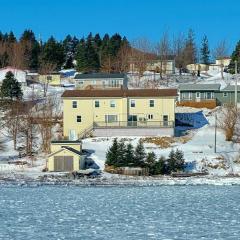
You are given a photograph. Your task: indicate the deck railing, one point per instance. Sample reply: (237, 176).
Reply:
(134, 124)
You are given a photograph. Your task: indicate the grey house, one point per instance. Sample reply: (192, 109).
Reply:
(227, 95)
(101, 80)
(198, 92)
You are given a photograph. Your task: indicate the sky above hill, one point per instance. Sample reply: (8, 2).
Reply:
(218, 19)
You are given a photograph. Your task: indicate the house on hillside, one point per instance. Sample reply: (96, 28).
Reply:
(220, 64)
(53, 79)
(119, 112)
(227, 95)
(197, 67)
(201, 95)
(66, 156)
(166, 65)
(100, 80)
(19, 74)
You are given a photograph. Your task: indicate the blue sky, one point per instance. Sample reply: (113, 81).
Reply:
(218, 19)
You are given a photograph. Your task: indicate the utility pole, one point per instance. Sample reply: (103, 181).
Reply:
(215, 134)
(236, 83)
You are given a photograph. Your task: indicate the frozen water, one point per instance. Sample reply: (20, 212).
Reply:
(165, 212)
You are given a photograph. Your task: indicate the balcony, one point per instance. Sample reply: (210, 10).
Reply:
(134, 124)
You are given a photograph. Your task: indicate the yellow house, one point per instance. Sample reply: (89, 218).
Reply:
(66, 156)
(127, 112)
(53, 79)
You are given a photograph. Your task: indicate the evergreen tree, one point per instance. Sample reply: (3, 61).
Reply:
(180, 162)
(150, 162)
(139, 155)
(81, 56)
(121, 158)
(112, 153)
(205, 52)
(53, 53)
(234, 57)
(129, 155)
(172, 163)
(31, 49)
(160, 167)
(189, 52)
(92, 57)
(11, 88)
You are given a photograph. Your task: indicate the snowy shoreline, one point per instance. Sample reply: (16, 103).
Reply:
(123, 182)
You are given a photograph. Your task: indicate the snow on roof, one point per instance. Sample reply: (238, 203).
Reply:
(199, 87)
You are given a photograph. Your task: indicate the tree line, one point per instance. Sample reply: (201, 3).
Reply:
(121, 154)
(92, 53)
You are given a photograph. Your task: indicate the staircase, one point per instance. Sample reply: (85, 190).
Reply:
(86, 132)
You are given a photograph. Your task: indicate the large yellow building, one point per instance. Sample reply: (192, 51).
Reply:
(53, 79)
(121, 112)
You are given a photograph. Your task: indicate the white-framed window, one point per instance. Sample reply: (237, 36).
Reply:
(151, 103)
(225, 94)
(133, 103)
(150, 116)
(97, 104)
(74, 104)
(198, 94)
(94, 82)
(165, 120)
(112, 103)
(111, 118)
(186, 95)
(209, 95)
(79, 118)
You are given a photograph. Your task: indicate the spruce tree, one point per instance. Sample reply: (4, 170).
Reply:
(92, 57)
(121, 158)
(180, 162)
(81, 57)
(205, 52)
(11, 88)
(234, 57)
(112, 153)
(129, 155)
(172, 163)
(160, 167)
(150, 162)
(139, 155)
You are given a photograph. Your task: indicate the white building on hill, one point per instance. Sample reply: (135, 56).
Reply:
(19, 74)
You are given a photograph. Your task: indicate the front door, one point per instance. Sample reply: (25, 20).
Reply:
(63, 163)
(132, 120)
(165, 120)
(198, 96)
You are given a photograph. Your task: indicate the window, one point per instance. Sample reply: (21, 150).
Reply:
(225, 94)
(74, 104)
(150, 116)
(208, 95)
(133, 104)
(186, 95)
(111, 118)
(49, 78)
(79, 119)
(97, 104)
(112, 103)
(151, 103)
(198, 95)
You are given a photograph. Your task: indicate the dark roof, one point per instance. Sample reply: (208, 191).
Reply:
(72, 150)
(121, 93)
(99, 75)
(199, 87)
(231, 88)
(65, 141)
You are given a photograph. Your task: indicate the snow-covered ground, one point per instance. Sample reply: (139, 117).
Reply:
(198, 149)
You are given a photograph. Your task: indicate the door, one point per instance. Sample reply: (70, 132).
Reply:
(165, 120)
(198, 96)
(72, 135)
(63, 163)
(132, 120)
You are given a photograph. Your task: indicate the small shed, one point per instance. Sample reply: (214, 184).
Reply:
(66, 156)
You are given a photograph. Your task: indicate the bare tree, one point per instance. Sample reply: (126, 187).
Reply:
(47, 115)
(46, 68)
(220, 52)
(229, 121)
(163, 49)
(12, 119)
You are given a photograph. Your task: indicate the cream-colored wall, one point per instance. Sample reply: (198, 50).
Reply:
(89, 114)
(197, 66)
(76, 159)
(97, 83)
(56, 79)
(225, 61)
(57, 146)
